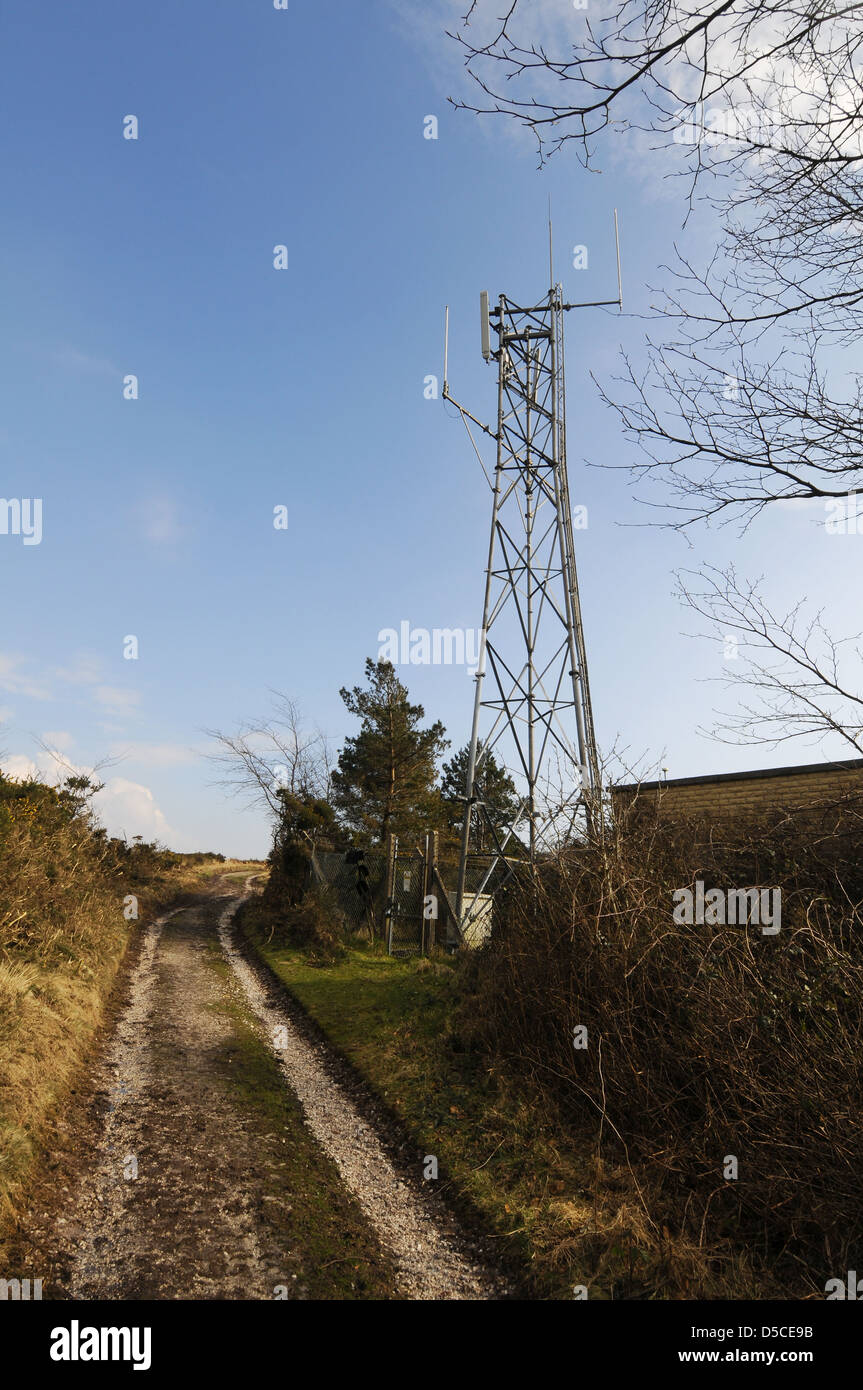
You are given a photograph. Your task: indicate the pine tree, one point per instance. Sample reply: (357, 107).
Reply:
(495, 788)
(385, 779)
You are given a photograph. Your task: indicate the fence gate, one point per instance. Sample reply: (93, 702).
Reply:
(405, 917)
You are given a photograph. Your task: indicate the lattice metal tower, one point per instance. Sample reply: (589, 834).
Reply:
(532, 689)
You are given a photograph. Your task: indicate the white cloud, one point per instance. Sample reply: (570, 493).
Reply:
(124, 807)
(20, 768)
(45, 766)
(86, 670)
(58, 738)
(115, 700)
(13, 680)
(129, 808)
(554, 25)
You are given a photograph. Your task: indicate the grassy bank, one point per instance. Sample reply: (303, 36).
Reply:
(71, 903)
(560, 1217)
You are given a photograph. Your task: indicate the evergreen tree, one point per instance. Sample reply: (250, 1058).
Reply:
(302, 820)
(494, 787)
(386, 774)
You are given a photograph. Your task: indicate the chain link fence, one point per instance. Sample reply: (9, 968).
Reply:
(356, 881)
(420, 909)
(480, 886)
(405, 925)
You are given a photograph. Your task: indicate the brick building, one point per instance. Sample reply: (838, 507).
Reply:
(746, 796)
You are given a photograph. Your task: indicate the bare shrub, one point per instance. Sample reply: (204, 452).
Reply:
(703, 1041)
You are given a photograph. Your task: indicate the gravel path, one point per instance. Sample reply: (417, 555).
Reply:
(432, 1259)
(219, 1156)
(186, 1226)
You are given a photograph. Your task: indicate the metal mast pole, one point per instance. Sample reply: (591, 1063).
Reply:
(471, 796)
(528, 565)
(588, 757)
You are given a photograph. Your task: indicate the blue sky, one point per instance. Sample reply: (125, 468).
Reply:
(304, 388)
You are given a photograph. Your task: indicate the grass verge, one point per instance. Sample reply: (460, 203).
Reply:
(333, 1252)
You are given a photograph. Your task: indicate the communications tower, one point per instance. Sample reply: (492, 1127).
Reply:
(532, 704)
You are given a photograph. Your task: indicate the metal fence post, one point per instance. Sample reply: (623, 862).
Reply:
(390, 847)
(429, 890)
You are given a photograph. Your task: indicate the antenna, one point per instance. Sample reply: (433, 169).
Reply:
(550, 248)
(446, 351)
(485, 327)
(617, 249)
(604, 303)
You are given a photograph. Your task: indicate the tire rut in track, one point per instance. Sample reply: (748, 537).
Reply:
(232, 1199)
(256, 1172)
(433, 1258)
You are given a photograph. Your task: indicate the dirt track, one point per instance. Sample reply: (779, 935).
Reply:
(221, 1157)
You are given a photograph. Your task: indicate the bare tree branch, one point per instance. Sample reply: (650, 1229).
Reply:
(273, 754)
(791, 683)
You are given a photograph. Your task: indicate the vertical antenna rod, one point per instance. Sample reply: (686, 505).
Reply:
(617, 250)
(550, 248)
